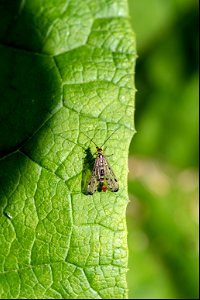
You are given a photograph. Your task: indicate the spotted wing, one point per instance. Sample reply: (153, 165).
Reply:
(111, 178)
(93, 183)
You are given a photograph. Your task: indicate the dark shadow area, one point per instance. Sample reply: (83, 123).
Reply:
(88, 165)
(30, 89)
(30, 84)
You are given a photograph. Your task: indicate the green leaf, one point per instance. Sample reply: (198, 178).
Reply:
(66, 70)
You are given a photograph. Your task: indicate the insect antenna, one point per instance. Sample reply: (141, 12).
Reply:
(109, 137)
(90, 139)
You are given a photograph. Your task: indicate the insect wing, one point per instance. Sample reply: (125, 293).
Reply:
(111, 178)
(93, 183)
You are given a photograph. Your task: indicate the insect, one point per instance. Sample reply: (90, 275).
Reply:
(102, 173)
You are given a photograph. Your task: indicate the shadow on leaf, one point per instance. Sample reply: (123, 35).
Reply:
(88, 165)
(31, 90)
(29, 80)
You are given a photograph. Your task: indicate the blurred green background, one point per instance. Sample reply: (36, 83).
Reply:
(163, 165)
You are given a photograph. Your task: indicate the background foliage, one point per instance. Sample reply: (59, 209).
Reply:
(163, 182)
